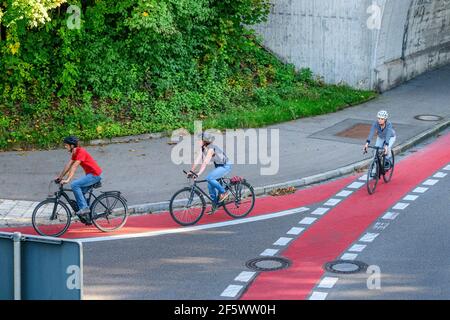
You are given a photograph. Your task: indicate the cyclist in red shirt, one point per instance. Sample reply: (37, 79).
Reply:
(80, 157)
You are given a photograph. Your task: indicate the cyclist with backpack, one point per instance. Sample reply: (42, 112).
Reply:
(211, 152)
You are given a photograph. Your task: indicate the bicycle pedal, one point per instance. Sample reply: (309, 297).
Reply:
(85, 220)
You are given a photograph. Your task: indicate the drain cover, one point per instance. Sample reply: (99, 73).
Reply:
(268, 264)
(346, 266)
(428, 117)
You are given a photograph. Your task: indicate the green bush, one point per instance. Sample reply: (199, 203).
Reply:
(142, 66)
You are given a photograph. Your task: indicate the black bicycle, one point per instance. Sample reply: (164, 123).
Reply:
(188, 205)
(52, 217)
(377, 168)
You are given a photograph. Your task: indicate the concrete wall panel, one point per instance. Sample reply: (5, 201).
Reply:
(333, 38)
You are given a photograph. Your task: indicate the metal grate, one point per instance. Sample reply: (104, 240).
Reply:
(428, 117)
(268, 264)
(346, 266)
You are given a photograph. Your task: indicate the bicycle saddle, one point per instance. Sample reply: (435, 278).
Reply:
(97, 185)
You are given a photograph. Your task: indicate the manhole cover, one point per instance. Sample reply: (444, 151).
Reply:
(357, 131)
(428, 117)
(268, 264)
(346, 266)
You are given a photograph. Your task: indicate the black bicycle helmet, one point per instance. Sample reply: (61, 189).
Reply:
(71, 140)
(206, 137)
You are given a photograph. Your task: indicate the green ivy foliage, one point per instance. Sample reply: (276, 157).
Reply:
(133, 66)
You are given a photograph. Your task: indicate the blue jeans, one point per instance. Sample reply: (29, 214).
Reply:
(213, 185)
(81, 186)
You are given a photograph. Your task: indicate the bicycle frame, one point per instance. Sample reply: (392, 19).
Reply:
(62, 193)
(380, 158)
(196, 187)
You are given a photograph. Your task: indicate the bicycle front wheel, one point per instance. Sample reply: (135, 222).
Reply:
(109, 212)
(388, 175)
(187, 206)
(241, 200)
(372, 176)
(51, 218)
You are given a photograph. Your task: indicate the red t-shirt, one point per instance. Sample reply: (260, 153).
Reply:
(87, 162)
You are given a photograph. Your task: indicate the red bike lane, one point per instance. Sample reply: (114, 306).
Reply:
(327, 239)
(163, 221)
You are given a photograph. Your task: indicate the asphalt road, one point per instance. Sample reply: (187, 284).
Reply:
(411, 251)
(191, 266)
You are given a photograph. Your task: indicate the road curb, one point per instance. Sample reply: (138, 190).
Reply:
(307, 181)
(127, 139)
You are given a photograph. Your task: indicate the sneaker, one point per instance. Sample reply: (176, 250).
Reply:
(84, 217)
(83, 212)
(224, 196)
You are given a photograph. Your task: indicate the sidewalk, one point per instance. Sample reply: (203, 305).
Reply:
(145, 174)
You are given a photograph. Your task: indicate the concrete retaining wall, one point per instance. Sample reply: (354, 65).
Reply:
(370, 44)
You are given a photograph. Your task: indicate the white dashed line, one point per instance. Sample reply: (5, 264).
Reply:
(440, 175)
(379, 226)
(420, 190)
(332, 202)
(317, 295)
(410, 197)
(307, 220)
(391, 215)
(400, 206)
(231, 291)
(349, 256)
(363, 178)
(357, 248)
(328, 282)
(196, 228)
(369, 237)
(295, 231)
(245, 276)
(320, 211)
(282, 241)
(430, 182)
(344, 193)
(356, 185)
(269, 252)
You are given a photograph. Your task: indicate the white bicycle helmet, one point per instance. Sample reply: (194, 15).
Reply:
(383, 114)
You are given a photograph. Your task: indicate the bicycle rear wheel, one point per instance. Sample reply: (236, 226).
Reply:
(388, 175)
(51, 218)
(187, 206)
(372, 176)
(109, 212)
(241, 200)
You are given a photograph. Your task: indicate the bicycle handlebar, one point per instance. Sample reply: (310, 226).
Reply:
(191, 172)
(378, 149)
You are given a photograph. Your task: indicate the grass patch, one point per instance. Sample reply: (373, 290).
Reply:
(106, 119)
(326, 99)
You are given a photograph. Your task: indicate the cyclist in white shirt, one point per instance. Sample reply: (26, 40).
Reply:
(386, 136)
